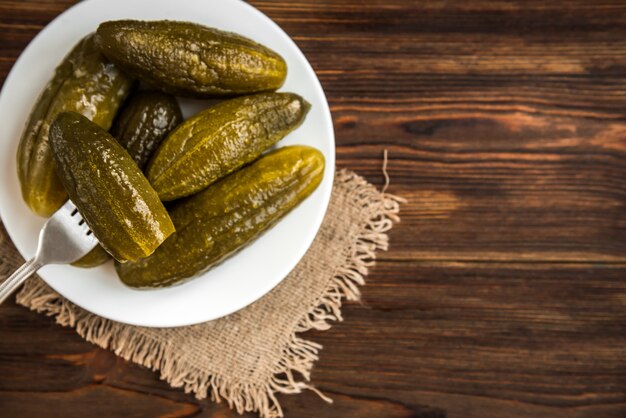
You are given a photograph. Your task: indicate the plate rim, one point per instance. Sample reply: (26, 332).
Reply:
(330, 160)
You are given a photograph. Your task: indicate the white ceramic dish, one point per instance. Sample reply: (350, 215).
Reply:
(240, 280)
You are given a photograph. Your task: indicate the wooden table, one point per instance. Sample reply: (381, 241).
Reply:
(504, 291)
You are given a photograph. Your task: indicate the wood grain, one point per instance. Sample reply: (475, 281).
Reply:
(503, 292)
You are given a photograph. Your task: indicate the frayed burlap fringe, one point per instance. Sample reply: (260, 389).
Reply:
(299, 354)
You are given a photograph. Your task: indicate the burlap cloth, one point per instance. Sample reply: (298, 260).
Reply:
(249, 356)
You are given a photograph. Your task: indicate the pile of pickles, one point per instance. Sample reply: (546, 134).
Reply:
(167, 198)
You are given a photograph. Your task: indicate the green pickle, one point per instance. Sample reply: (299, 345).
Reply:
(228, 215)
(85, 82)
(144, 122)
(94, 258)
(140, 127)
(220, 139)
(108, 188)
(187, 59)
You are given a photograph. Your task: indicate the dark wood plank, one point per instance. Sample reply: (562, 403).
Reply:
(505, 187)
(502, 293)
(99, 400)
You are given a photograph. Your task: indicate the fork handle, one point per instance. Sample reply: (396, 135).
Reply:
(11, 284)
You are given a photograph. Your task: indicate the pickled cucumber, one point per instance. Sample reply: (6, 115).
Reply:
(141, 125)
(226, 216)
(187, 59)
(93, 258)
(107, 187)
(220, 139)
(144, 122)
(85, 82)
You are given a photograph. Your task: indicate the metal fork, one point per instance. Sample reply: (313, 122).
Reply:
(64, 238)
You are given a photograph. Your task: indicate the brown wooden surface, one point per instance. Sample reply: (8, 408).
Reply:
(504, 291)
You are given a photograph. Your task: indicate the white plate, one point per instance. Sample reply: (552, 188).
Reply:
(235, 283)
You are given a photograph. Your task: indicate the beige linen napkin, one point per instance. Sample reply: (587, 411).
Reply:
(249, 356)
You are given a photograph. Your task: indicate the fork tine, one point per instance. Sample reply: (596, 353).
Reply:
(67, 226)
(64, 238)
